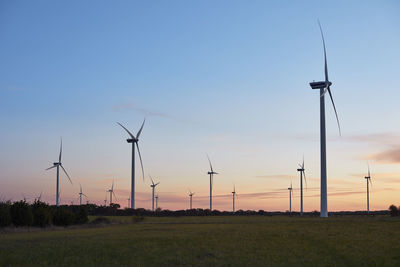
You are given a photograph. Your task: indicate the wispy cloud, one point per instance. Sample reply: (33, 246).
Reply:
(390, 156)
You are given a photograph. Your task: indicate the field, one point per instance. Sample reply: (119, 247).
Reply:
(210, 241)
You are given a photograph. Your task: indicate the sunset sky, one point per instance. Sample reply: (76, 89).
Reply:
(225, 78)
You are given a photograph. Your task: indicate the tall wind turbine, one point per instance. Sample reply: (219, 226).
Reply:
(290, 197)
(134, 140)
(153, 187)
(368, 178)
(302, 174)
(211, 173)
(111, 191)
(80, 195)
(324, 86)
(233, 198)
(58, 165)
(191, 197)
(156, 197)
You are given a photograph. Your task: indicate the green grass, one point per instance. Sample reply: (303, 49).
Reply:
(210, 241)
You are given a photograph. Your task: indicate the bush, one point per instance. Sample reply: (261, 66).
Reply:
(5, 215)
(393, 210)
(62, 216)
(42, 214)
(82, 215)
(21, 214)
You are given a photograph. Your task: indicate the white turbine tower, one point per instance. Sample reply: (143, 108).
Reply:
(58, 165)
(191, 197)
(153, 187)
(111, 191)
(156, 197)
(81, 194)
(324, 86)
(302, 175)
(134, 140)
(211, 173)
(233, 199)
(290, 197)
(368, 178)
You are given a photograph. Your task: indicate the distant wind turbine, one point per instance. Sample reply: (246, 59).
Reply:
(156, 197)
(153, 187)
(58, 165)
(368, 178)
(324, 86)
(111, 191)
(191, 196)
(290, 197)
(211, 173)
(81, 194)
(302, 174)
(134, 140)
(129, 202)
(233, 198)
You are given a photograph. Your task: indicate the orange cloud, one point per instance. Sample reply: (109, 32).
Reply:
(391, 155)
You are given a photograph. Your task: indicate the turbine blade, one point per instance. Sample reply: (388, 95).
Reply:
(114, 196)
(112, 186)
(140, 157)
(66, 173)
(80, 187)
(334, 107)
(130, 134)
(326, 63)
(369, 175)
(140, 130)
(51, 167)
(151, 180)
(156, 184)
(210, 163)
(302, 166)
(305, 179)
(59, 157)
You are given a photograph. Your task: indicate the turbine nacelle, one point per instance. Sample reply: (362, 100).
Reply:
(132, 140)
(320, 85)
(300, 170)
(56, 163)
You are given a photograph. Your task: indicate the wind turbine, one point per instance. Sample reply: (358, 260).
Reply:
(302, 173)
(80, 195)
(153, 187)
(233, 198)
(134, 140)
(156, 197)
(324, 86)
(111, 191)
(290, 197)
(58, 165)
(211, 173)
(129, 202)
(191, 196)
(368, 178)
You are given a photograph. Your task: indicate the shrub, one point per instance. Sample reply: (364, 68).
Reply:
(42, 214)
(21, 214)
(5, 215)
(62, 216)
(393, 210)
(82, 216)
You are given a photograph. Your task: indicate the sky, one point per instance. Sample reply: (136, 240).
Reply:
(225, 78)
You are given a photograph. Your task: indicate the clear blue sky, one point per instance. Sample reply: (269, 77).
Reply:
(227, 78)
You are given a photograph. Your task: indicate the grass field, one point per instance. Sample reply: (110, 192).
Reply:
(210, 241)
